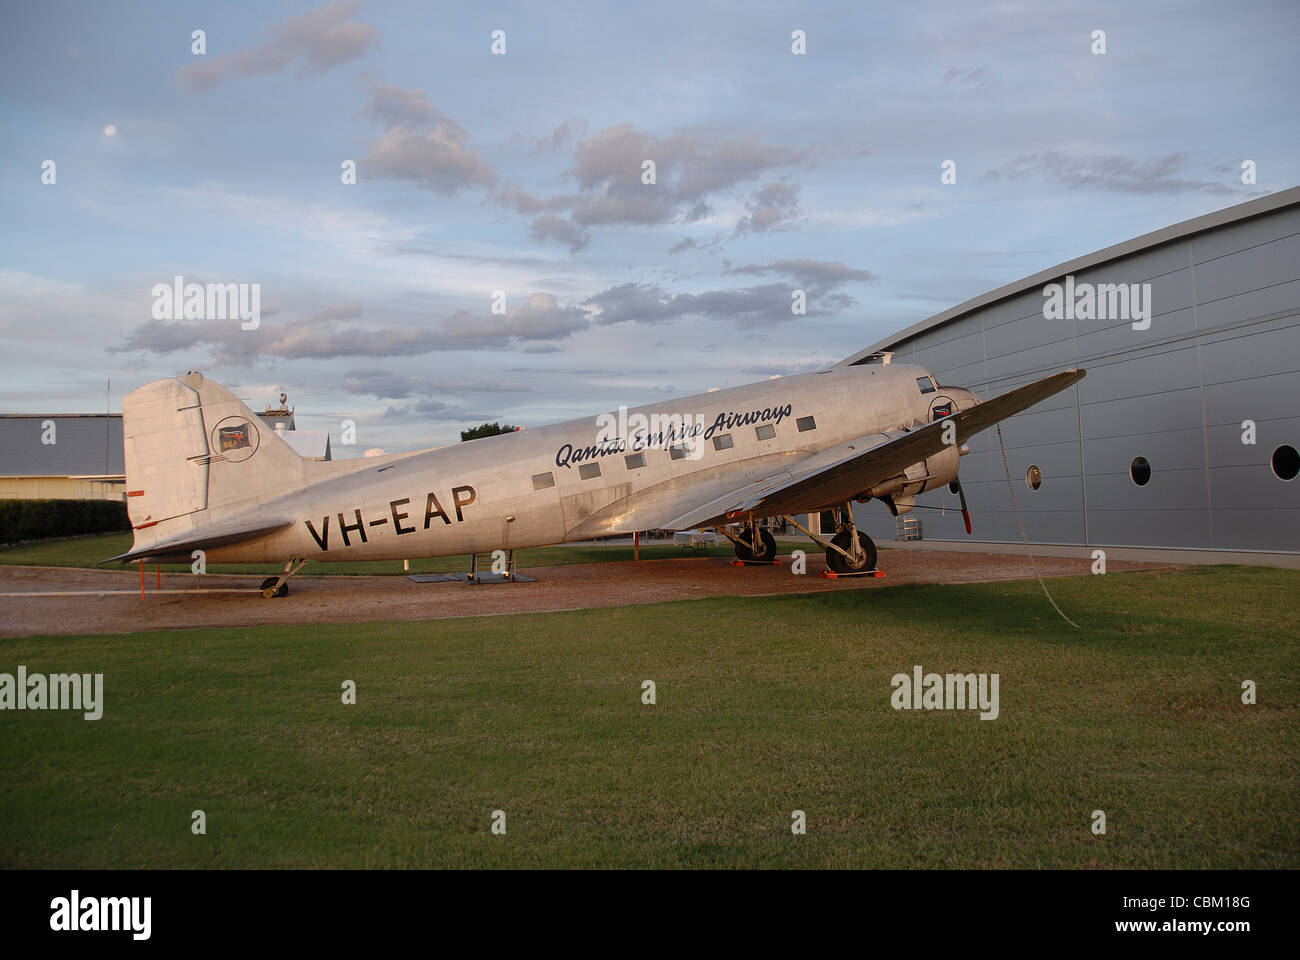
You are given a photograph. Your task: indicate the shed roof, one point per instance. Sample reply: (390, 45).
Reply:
(1178, 231)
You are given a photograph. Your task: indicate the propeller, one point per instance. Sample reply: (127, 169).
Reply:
(965, 514)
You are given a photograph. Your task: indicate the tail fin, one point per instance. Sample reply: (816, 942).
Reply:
(195, 457)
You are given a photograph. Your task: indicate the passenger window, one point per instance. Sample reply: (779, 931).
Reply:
(805, 424)
(588, 471)
(723, 442)
(634, 461)
(926, 384)
(543, 480)
(765, 432)
(678, 451)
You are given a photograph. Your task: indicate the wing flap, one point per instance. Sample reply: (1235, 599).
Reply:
(717, 507)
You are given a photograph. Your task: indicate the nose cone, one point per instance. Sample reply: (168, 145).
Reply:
(963, 397)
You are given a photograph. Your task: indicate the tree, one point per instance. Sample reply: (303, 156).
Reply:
(486, 430)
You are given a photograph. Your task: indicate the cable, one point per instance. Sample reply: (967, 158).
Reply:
(1034, 563)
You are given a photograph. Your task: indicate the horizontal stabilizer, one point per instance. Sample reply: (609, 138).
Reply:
(181, 547)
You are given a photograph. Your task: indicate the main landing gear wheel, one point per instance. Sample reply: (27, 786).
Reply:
(765, 553)
(269, 591)
(841, 564)
(269, 588)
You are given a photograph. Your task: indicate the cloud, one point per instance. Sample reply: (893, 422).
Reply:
(320, 39)
(439, 408)
(635, 302)
(380, 384)
(384, 383)
(689, 170)
(963, 75)
(421, 144)
(690, 243)
(765, 305)
(346, 311)
(552, 226)
(541, 317)
(321, 336)
(395, 107)
(163, 336)
(560, 136)
(773, 204)
(425, 410)
(789, 369)
(815, 276)
(1109, 172)
(520, 199)
(299, 339)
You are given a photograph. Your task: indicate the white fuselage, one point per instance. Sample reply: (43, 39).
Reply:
(492, 493)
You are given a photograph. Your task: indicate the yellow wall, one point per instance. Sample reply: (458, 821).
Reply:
(61, 488)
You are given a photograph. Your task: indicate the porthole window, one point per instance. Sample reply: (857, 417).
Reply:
(805, 424)
(1140, 471)
(765, 431)
(589, 471)
(634, 461)
(542, 481)
(1286, 462)
(723, 441)
(1033, 477)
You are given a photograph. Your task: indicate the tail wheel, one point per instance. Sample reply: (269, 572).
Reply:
(269, 591)
(765, 553)
(841, 564)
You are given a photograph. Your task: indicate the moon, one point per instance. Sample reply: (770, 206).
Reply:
(110, 131)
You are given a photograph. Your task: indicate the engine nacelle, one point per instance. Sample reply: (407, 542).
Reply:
(931, 473)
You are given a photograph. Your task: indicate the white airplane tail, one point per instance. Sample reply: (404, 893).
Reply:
(196, 458)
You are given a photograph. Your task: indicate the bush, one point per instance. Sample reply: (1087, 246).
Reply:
(39, 519)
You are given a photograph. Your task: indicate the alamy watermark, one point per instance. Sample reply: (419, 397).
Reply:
(77, 913)
(1102, 301)
(208, 301)
(57, 691)
(952, 691)
(655, 431)
(683, 434)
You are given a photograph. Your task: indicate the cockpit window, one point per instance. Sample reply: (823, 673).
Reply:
(926, 384)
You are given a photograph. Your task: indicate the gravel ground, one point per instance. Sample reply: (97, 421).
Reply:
(343, 599)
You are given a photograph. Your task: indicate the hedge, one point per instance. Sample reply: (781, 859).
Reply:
(39, 519)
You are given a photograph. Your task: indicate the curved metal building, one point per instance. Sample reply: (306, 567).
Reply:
(1153, 448)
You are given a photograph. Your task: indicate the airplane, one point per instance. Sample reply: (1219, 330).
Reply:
(205, 474)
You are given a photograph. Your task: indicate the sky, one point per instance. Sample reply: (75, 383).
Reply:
(500, 255)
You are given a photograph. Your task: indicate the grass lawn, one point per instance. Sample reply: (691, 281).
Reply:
(765, 706)
(88, 551)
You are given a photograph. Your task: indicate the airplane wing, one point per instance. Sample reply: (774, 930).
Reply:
(836, 475)
(218, 535)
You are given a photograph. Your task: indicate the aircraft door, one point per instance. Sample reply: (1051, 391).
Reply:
(535, 516)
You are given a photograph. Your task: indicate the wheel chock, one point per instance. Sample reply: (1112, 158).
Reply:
(874, 574)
